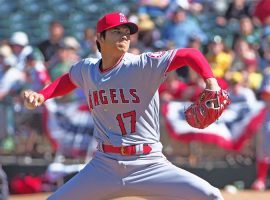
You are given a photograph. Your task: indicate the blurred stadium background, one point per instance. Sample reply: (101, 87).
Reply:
(39, 156)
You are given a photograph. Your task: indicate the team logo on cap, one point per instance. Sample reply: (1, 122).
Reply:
(156, 54)
(122, 18)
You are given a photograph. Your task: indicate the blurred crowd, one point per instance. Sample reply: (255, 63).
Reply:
(233, 35)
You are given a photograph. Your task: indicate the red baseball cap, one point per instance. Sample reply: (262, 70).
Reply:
(115, 19)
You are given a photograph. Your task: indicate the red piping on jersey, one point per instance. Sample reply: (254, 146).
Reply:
(192, 58)
(108, 69)
(61, 86)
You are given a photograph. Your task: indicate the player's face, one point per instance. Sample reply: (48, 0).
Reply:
(117, 38)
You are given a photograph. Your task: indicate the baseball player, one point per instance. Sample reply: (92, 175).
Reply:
(121, 90)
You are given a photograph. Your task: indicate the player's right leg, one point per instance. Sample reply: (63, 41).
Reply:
(98, 180)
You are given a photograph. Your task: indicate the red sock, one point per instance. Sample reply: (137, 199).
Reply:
(262, 170)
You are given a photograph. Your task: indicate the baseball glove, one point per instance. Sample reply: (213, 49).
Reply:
(207, 109)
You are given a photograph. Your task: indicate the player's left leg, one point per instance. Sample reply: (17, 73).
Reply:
(166, 181)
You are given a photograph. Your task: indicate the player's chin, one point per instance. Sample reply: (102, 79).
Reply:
(123, 48)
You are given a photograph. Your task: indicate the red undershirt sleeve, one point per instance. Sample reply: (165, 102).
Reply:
(192, 58)
(61, 86)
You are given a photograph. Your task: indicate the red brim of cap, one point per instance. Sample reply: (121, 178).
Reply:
(132, 27)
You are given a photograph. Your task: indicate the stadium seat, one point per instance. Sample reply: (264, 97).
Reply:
(35, 15)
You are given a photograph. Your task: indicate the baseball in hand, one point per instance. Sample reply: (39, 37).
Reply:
(32, 99)
(29, 106)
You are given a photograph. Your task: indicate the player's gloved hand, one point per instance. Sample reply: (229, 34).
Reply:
(209, 107)
(32, 99)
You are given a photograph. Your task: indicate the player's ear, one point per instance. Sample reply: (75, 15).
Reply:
(99, 38)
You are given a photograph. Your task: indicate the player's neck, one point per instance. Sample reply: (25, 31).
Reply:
(108, 61)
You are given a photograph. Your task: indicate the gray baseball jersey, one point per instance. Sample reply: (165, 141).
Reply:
(124, 100)
(124, 103)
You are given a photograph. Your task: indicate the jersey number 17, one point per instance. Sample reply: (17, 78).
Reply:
(132, 116)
